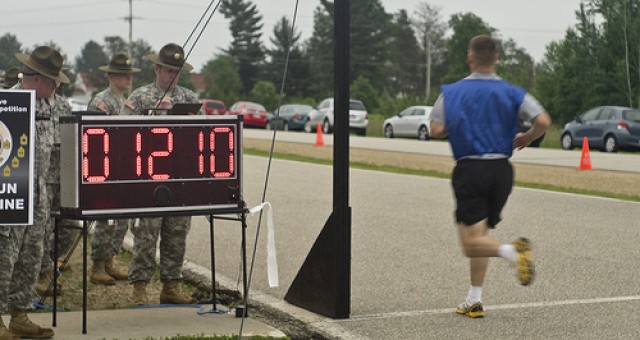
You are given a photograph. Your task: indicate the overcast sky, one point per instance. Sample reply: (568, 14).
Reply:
(71, 23)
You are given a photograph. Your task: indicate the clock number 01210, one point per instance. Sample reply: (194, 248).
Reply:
(148, 162)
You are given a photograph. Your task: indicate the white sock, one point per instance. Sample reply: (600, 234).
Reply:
(508, 252)
(475, 295)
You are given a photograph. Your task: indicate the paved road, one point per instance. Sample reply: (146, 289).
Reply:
(407, 270)
(556, 157)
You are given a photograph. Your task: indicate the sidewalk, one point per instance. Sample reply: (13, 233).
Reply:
(158, 323)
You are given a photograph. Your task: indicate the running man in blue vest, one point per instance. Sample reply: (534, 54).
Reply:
(479, 114)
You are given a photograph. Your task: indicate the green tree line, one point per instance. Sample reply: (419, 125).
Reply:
(397, 59)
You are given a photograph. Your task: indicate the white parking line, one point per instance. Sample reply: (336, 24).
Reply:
(495, 307)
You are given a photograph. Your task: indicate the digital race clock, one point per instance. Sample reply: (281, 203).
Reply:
(150, 165)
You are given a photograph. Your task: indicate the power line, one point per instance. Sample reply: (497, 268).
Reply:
(55, 8)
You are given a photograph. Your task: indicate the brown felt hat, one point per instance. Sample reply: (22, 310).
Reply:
(171, 56)
(11, 77)
(46, 61)
(120, 63)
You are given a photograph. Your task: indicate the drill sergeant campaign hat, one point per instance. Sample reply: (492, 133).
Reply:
(171, 56)
(11, 77)
(46, 61)
(120, 63)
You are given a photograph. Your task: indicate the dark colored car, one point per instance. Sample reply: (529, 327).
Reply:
(255, 115)
(608, 128)
(213, 107)
(524, 126)
(289, 117)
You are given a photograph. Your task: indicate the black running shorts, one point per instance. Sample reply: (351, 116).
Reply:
(481, 188)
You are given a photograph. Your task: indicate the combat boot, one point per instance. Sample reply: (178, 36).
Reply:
(21, 326)
(114, 272)
(44, 280)
(140, 293)
(98, 274)
(171, 294)
(5, 334)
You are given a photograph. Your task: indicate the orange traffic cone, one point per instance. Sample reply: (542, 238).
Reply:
(319, 141)
(585, 159)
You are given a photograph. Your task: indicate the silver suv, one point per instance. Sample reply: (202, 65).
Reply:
(323, 114)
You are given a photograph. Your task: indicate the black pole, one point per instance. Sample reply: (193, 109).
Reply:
(213, 265)
(55, 270)
(341, 157)
(85, 228)
(323, 284)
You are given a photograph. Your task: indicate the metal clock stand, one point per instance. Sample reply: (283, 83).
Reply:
(218, 213)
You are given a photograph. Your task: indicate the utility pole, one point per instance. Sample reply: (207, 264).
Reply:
(130, 28)
(130, 45)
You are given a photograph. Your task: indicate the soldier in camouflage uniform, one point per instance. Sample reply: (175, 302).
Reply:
(67, 229)
(11, 78)
(21, 246)
(171, 230)
(107, 239)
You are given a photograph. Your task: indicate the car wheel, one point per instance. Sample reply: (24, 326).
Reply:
(567, 141)
(423, 133)
(610, 144)
(307, 126)
(361, 132)
(326, 128)
(388, 131)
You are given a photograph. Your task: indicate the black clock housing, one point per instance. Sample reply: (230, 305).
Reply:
(150, 165)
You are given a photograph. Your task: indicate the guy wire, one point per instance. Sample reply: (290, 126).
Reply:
(268, 171)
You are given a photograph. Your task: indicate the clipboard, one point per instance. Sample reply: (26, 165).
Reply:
(185, 108)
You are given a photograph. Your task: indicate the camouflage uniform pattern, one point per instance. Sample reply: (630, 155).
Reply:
(171, 230)
(22, 245)
(107, 239)
(60, 107)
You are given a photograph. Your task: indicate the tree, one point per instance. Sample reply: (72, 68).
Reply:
(320, 51)
(285, 42)
(464, 26)
(91, 57)
(246, 47)
(621, 50)
(369, 41)
(114, 45)
(361, 89)
(515, 64)
(430, 31)
(404, 58)
(264, 92)
(573, 69)
(9, 46)
(222, 79)
(140, 52)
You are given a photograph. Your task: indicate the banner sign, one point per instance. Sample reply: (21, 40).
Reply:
(17, 156)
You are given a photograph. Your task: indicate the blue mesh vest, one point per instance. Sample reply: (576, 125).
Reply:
(482, 116)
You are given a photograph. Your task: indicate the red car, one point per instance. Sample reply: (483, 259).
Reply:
(213, 107)
(255, 115)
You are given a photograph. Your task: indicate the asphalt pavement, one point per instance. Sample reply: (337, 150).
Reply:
(408, 273)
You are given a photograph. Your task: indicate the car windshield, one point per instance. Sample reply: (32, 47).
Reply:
(356, 105)
(215, 105)
(255, 107)
(299, 108)
(631, 115)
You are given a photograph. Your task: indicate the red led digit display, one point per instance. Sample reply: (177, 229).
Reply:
(150, 164)
(118, 153)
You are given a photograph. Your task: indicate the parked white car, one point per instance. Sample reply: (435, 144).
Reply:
(323, 115)
(411, 122)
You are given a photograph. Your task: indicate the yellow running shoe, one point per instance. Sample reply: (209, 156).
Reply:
(471, 310)
(526, 271)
